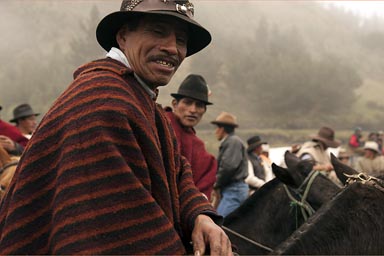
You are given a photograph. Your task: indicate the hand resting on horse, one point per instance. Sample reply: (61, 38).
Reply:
(206, 232)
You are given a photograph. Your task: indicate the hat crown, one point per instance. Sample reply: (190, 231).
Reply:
(372, 145)
(326, 133)
(195, 87)
(226, 118)
(253, 140)
(23, 110)
(327, 136)
(181, 6)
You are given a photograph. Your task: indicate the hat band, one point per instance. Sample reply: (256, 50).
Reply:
(159, 5)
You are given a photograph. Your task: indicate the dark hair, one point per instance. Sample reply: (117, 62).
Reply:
(227, 128)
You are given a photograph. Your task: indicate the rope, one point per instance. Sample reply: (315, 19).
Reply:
(8, 165)
(306, 208)
(247, 239)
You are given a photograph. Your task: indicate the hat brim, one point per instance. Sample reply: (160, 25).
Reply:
(198, 37)
(329, 143)
(16, 118)
(224, 123)
(178, 95)
(255, 145)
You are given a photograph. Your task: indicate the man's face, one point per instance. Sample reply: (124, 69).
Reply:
(219, 133)
(258, 150)
(28, 124)
(155, 49)
(189, 111)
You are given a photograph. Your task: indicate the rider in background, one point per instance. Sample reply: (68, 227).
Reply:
(355, 145)
(316, 150)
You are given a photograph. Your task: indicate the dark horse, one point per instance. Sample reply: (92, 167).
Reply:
(352, 223)
(271, 214)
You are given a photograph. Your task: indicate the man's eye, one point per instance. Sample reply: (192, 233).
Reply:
(182, 40)
(158, 31)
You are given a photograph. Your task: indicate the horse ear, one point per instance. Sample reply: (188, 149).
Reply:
(291, 160)
(284, 175)
(341, 169)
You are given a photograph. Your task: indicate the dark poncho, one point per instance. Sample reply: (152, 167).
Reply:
(101, 176)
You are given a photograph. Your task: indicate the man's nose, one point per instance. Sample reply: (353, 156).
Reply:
(169, 44)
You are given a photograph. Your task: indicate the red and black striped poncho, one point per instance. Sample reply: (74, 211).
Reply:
(101, 175)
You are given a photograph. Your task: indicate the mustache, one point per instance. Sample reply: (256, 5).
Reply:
(165, 57)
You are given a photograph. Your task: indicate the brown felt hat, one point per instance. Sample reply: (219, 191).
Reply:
(198, 36)
(195, 87)
(327, 136)
(226, 118)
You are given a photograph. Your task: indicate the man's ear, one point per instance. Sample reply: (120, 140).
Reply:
(174, 103)
(120, 37)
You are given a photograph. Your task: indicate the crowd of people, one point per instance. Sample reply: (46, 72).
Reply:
(113, 172)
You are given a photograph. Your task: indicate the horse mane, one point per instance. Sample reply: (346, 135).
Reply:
(351, 223)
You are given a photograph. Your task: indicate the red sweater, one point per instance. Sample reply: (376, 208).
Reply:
(102, 175)
(13, 133)
(204, 165)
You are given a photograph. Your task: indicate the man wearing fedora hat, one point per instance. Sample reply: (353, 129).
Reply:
(25, 119)
(11, 138)
(189, 105)
(232, 170)
(372, 163)
(102, 174)
(259, 172)
(316, 150)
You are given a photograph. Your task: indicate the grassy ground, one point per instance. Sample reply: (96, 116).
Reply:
(275, 137)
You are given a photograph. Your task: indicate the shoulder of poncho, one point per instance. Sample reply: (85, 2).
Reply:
(106, 64)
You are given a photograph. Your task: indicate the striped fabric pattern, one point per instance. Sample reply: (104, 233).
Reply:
(100, 175)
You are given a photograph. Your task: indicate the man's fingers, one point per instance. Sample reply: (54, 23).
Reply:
(198, 247)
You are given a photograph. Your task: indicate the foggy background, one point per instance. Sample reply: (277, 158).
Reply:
(285, 64)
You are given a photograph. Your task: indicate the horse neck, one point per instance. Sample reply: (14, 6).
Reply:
(4, 157)
(321, 191)
(333, 229)
(268, 213)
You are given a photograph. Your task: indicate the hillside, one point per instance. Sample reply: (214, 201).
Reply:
(286, 64)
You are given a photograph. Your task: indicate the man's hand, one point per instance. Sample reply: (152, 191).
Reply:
(207, 233)
(7, 143)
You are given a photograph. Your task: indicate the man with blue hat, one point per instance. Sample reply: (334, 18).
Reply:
(102, 174)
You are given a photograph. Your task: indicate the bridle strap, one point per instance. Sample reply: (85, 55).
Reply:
(8, 165)
(247, 239)
(306, 208)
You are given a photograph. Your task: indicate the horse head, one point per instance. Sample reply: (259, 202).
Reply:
(304, 182)
(341, 169)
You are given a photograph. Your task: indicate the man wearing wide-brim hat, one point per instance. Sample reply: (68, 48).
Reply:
(372, 163)
(316, 150)
(189, 104)
(230, 188)
(25, 119)
(102, 173)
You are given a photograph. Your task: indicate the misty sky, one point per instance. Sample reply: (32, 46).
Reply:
(364, 8)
